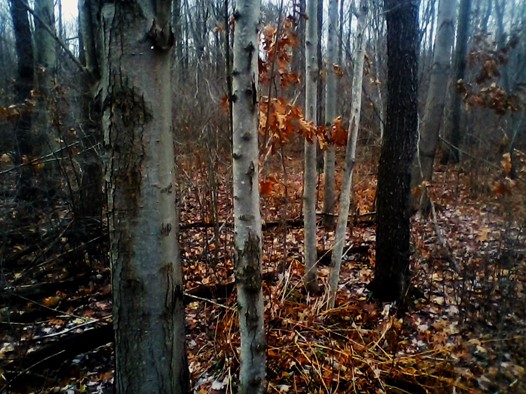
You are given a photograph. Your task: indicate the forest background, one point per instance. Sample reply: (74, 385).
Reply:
(457, 326)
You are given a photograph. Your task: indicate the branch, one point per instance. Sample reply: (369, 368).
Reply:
(449, 144)
(40, 159)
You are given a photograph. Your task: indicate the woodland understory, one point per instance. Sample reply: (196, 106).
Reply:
(461, 327)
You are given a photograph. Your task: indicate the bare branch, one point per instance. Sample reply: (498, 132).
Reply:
(58, 40)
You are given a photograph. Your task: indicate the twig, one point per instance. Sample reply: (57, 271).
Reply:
(47, 307)
(495, 166)
(441, 240)
(229, 308)
(65, 331)
(52, 34)
(4, 390)
(39, 159)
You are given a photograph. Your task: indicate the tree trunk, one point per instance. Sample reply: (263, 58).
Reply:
(452, 151)
(89, 207)
(500, 11)
(319, 85)
(247, 218)
(330, 115)
(148, 309)
(45, 137)
(377, 35)
(432, 121)
(309, 182)
(391, 272)
(178, 32)
(350, 154)
(23, 87)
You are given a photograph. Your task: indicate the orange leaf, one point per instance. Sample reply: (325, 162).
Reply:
(337, 70)
(224, 103)
(506, 163)
(51, 301)
(266, 187)
(339, 133)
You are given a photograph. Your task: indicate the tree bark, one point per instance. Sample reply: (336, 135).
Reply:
(45, 136)
(391, 271)
(309, 177)
(89, 207)
(330, 114)
(432, 121)
(247, 218)
(148, 309)
(23, 86)
(350, 154)
(453, 133)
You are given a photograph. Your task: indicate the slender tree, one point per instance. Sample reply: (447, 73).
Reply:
(453, 133)
(376, 35)
(436, 96)
(320, 90)
(23, 86)
(148, 309)
(247, 218)
(45, 136)
(330, 115)
(309, 177)
(391, 271)
(500, 11)
(350, 152)
(89, 207)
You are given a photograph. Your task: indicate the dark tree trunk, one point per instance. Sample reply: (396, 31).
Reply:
(391, 273)
(451, 152)
(88, 211)
(23, 86)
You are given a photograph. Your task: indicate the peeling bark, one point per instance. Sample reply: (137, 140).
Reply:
(144, 253)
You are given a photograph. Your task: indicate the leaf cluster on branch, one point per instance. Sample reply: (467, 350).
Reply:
(486, 92)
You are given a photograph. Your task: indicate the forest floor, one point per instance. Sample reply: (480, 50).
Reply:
(463, 330)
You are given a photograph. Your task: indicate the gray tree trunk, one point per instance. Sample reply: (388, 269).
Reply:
(436, 97)
(330, 114)
(309, 178)
(500, 11)
(247, 218)
(377, 34)
(45, 66)
(350, 154)
(45, 135)
(148, 310)
(453, 133)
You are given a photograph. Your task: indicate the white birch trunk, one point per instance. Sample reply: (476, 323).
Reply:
(247, 218)
(350, 154)
(148, 309)
(309, 177)
(330, 114)
(440, 70)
